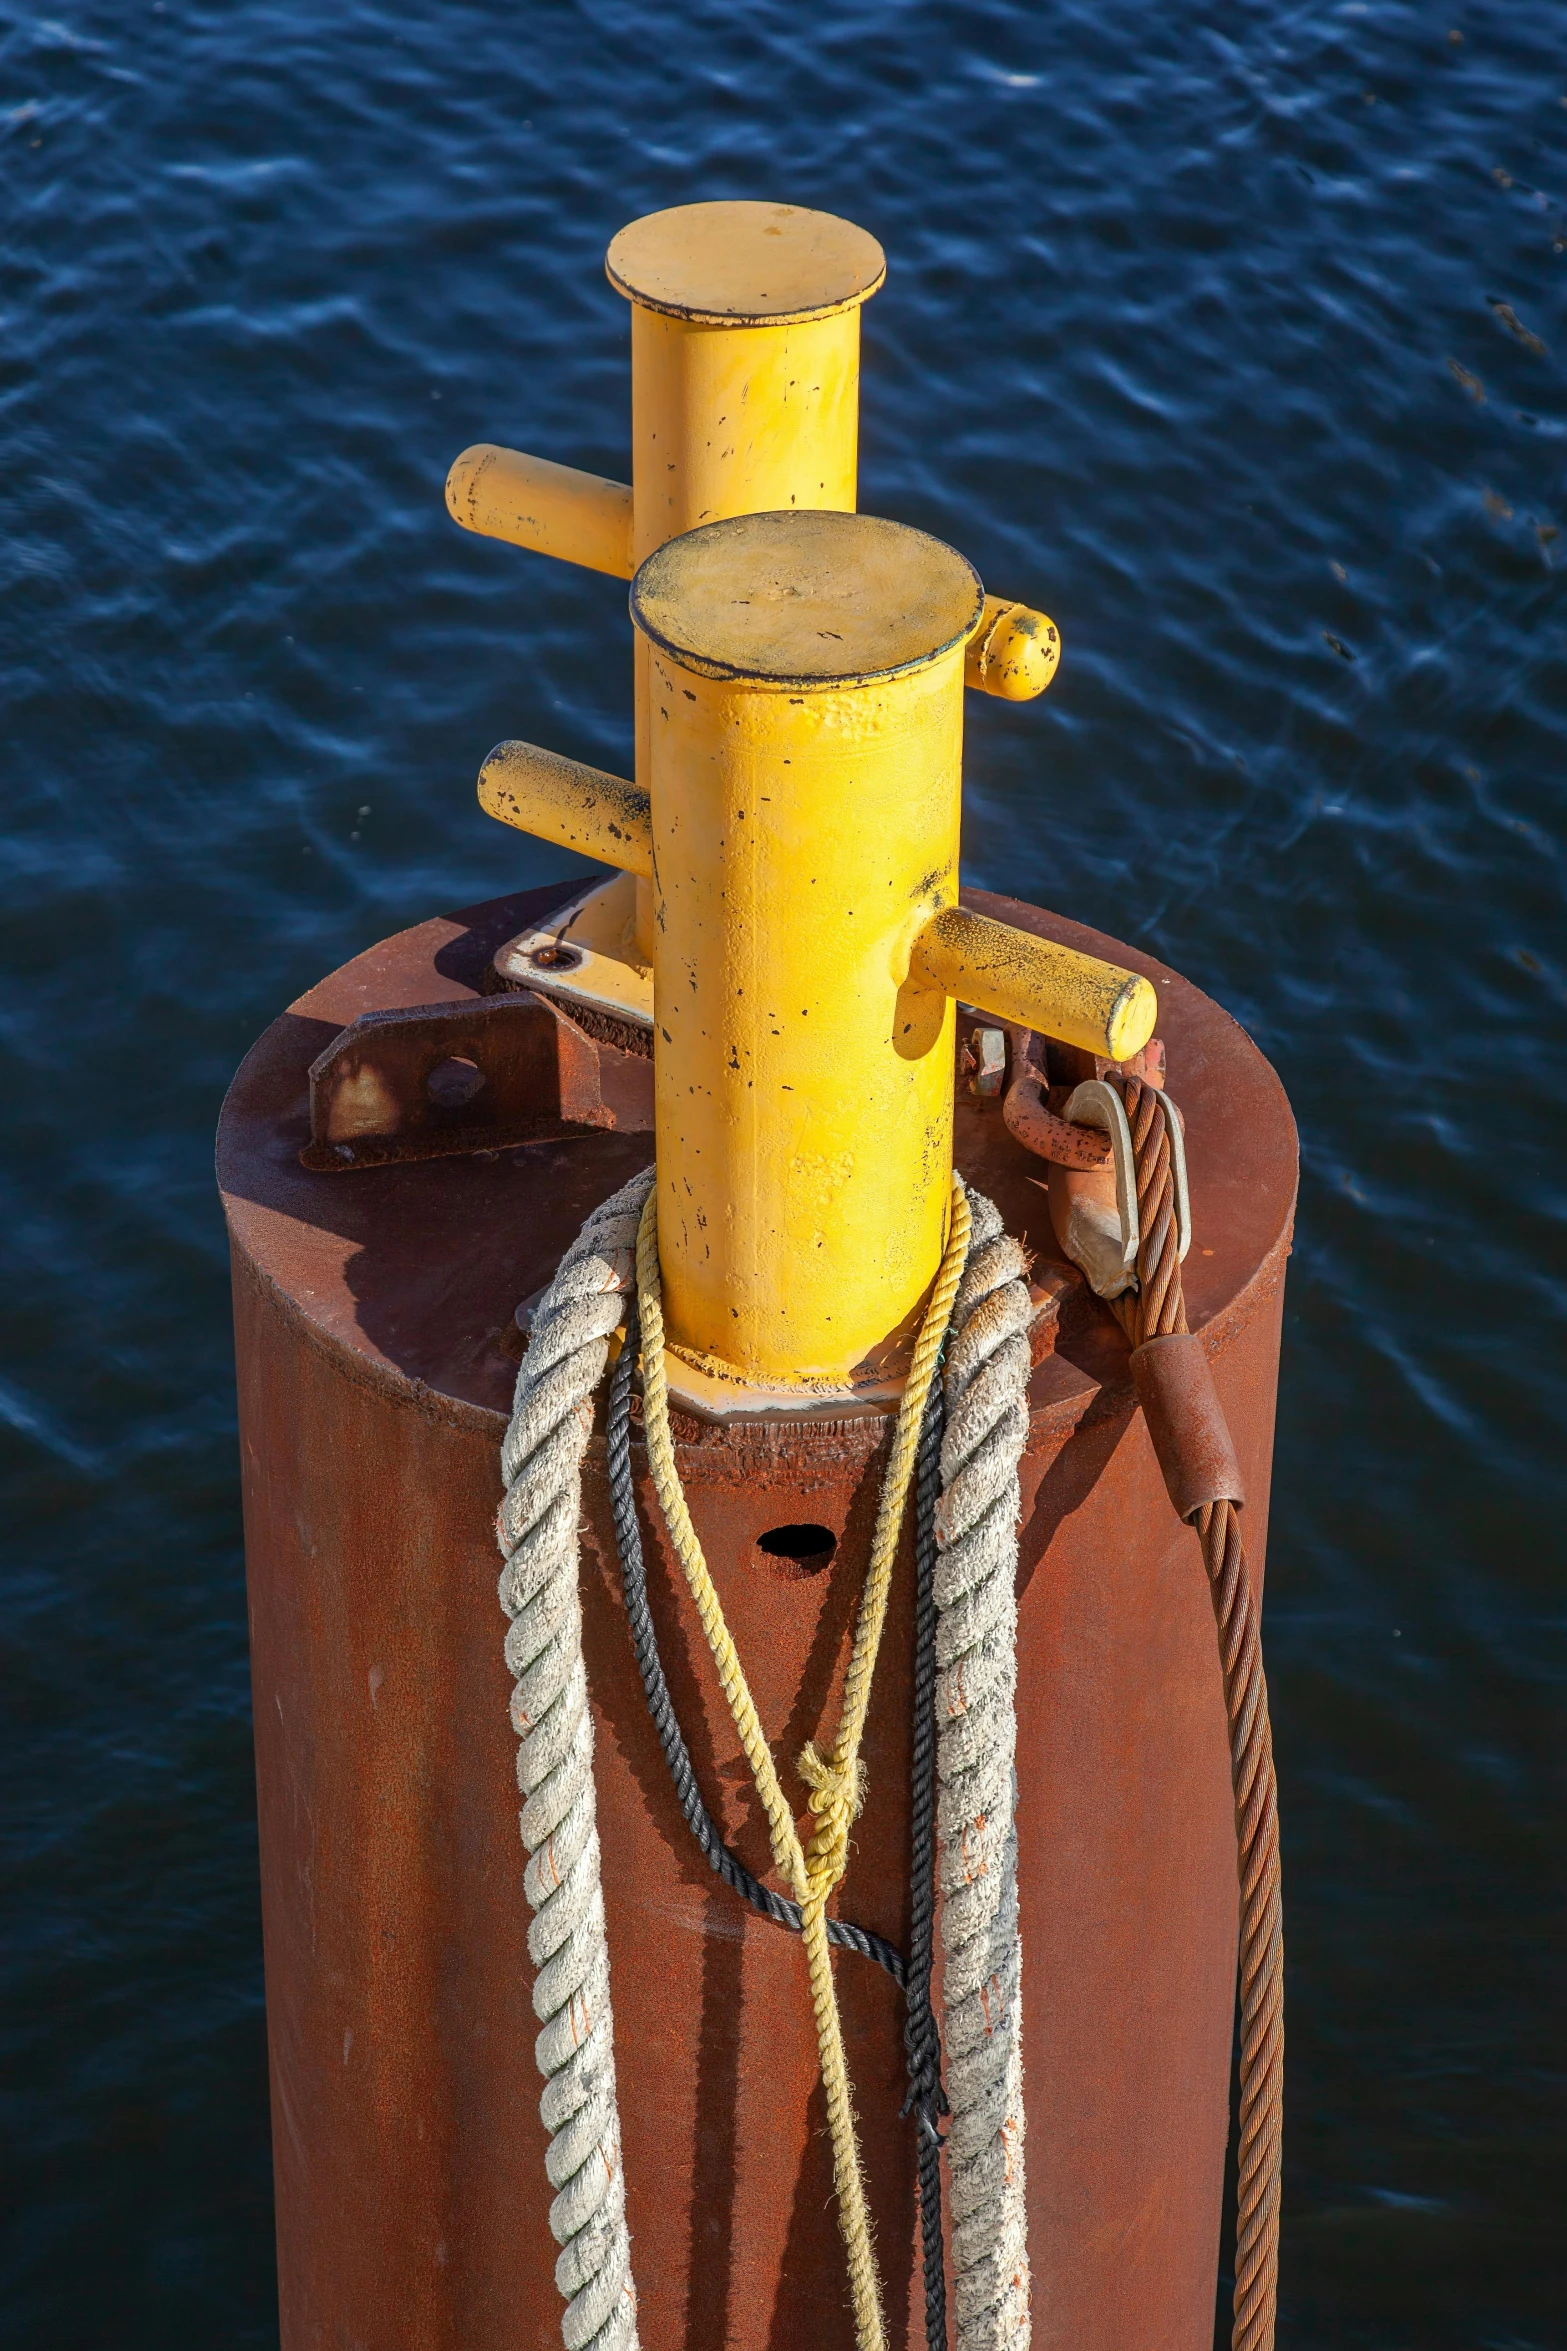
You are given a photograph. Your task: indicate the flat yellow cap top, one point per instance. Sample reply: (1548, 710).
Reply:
(745, 264)
(806, 598)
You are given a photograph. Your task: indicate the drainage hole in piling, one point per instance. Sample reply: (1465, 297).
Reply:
(453, 1083)
(799, 1550)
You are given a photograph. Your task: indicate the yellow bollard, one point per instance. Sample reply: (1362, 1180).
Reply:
(805, 764)
(745, 372)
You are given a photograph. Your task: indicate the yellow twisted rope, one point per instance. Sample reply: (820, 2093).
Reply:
(836, 1781)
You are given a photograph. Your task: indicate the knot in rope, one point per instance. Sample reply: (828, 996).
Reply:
(837, 1799)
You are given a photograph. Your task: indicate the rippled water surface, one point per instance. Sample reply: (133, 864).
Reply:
(1234, 335)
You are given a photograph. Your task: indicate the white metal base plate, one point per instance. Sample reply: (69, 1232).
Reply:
(587, 954)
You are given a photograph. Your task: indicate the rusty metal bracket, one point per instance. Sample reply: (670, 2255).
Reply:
(427, 1081)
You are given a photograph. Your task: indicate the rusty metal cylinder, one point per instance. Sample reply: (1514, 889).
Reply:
(377, 1348)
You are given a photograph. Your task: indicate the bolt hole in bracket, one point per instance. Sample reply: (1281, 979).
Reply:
(453, 1083)
(427, 1081)
(587, 957)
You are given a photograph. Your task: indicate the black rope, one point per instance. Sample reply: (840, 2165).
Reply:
(633, 1572)
(926, 2100)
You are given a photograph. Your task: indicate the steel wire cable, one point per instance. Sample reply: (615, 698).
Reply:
(1157, 1310)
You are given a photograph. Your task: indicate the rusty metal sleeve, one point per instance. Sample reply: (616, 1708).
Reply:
(1191, 1440)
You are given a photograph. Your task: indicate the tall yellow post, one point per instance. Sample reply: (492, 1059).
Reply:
(745, 395)
(745, 376)
(806, 708)
(745, 361)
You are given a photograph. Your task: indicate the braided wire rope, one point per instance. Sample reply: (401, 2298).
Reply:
(1156, 1310)
(835, 1779)
(720, 1858)
(541, 1463)
(926, 2099)
(975, 1591)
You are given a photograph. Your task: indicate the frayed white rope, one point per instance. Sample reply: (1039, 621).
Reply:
(986, 1380)
(541, 1462)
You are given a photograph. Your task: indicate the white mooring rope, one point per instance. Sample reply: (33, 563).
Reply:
(541, 1461)
(988, 1362)
(986, 1376)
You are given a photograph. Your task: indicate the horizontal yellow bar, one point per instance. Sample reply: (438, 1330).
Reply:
(554, 509)
(577, 807)
(581, 518)
(1013, 652)
(1017, 977)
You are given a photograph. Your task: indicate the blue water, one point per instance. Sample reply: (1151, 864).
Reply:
(1233, 335)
